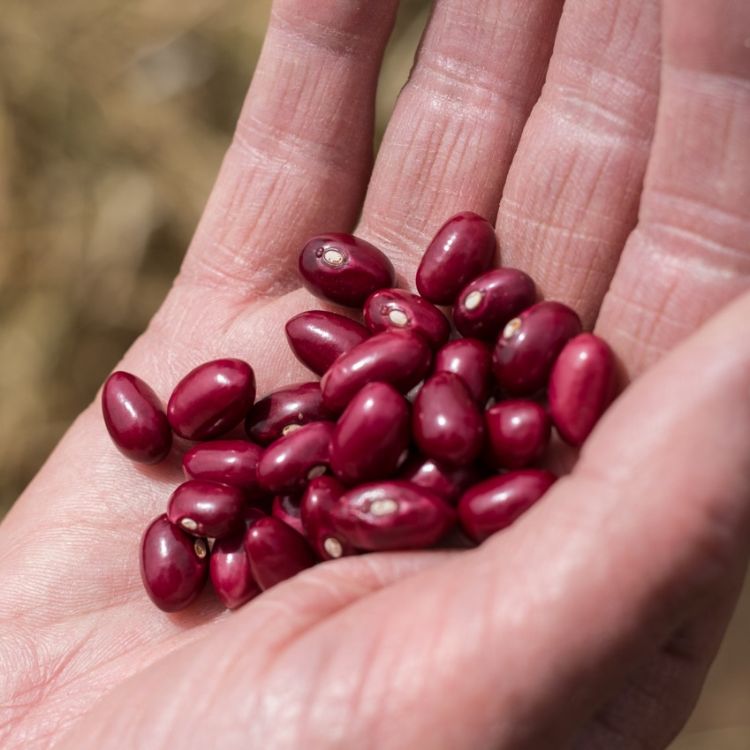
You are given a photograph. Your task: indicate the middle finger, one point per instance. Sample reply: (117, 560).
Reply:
(450, 141)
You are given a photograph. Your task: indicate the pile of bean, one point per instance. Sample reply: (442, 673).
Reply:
(412, 436)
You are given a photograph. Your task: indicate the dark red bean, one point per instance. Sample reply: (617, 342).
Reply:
(399, 358)
(174, 566)
(582, 385)
(447, 481)
(391, 515)
(285, 410)
(230, 571)
(276, 551)
(287, 509)
(292, 460)
(206, 508)
(471, 360)
(518, 433)
(372, 435)
(497, 502)
(396, 309)
(463, 247)
(320, 497)
(318, 338)
(232, 462)
(488, 303)
(135, 419)
(211, 399)
(529, 344)
(344, 269)
(446, 422)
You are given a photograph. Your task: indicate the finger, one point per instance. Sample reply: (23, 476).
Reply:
(450, 140)
(690, 253)
(571, 197)
(302, 151)
(704, 266)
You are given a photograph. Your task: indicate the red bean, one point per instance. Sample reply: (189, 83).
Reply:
(232, 462)
(399, 358)
(344, 269)
(471, 360)
(518, 433)
(372, 435)
(321, 495)
(135, 419)
(447, 481)
(485, 306)
(287, 509)
(497, 502)
(292, 460)
(529, 344)
(396, 309)
(318, 338)
(174, 565)
(230, 571)
(447, 424)
(285, 410)
(391, 515)
(276, 552)
(211, 399)
(582, 385)
(205, 508)
(463, 247)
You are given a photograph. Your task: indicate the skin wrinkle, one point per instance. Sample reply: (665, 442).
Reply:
(700, 219)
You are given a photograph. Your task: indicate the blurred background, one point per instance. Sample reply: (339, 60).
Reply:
(113, 120)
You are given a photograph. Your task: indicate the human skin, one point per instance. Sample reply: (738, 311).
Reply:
(622, 186)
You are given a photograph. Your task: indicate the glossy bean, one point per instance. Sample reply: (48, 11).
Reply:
(371, 436)
(211, 399)
(232, 462)
(317, 338)
(344, 269)
(276, 552)
(289, 462)
(488, 303)
(518, 433)
(396, 309)
(230, 571)
(320, 498)
(285, 410)
(496, 503)
(529, 344)
(447, 423)
(391, 515)
(471, 360)
(174, 565)
(135, 419)
(204, 508)
(401, 359)
(582, 385)
(463, 248)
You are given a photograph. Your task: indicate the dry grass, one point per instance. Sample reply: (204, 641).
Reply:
(102, 107)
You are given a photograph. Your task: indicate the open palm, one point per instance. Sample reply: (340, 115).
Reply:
(589, 623)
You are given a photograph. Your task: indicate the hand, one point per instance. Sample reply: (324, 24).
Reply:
(589, 623)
